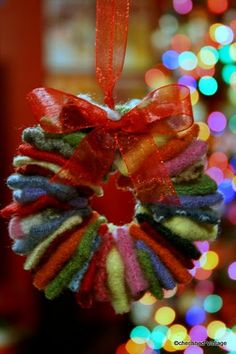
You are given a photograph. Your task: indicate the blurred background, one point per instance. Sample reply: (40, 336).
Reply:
(193, 42)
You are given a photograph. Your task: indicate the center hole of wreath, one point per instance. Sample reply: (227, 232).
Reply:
(116, 205)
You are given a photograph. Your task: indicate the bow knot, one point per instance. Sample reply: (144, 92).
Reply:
(167, 108)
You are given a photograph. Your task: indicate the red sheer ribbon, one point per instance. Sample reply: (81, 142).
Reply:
(168, 107)
(111, 38)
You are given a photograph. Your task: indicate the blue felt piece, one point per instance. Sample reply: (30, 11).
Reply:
(161, 271)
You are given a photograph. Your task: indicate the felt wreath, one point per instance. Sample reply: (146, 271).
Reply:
(60, 165)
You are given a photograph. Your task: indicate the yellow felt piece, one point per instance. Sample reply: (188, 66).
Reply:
(25, 160)
(190, 229)
(116, 282)
(35, 256)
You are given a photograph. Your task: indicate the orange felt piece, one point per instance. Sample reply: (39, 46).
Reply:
(179, 272)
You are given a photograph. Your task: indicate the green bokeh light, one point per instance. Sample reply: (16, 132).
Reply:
(140, 334)
(208, 85)
(212, 303)
(232, 124)
(227, 72)
(158, 336)
(225, 55)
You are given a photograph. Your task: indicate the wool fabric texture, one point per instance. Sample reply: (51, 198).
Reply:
(62, 280)
(52, 157)
(161, 212)
(34, 207)
(78, 277)
(60, 256)
(64, 145)
(190, 230)
(190, 173)
(116, 282)
(61, 191)
(19, 227)
(184, 246)
(34, 170)
(201, 201)
(180, 273)
(38, 233)
(85, 295)
(146, 264)
(133, 272)
(162, 273)
(203, 185)
(100, 280)
(183, 257)
(35, 256)
(20, 161)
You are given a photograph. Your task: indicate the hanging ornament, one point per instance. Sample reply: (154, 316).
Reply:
(76, 146)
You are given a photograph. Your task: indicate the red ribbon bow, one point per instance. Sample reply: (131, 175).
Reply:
(132, 136)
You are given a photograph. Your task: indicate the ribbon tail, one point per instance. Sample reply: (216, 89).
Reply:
(146, 169)
(91, 160)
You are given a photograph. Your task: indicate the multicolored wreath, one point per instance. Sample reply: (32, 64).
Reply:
(60, 166)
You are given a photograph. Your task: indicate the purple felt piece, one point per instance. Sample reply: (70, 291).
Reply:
(189, 156)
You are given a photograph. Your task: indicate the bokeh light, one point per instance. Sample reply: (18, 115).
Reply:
(168, 24)
(225, 55)
(212, 303)
(202, 274)
(121, 349)
(208, 56)
(208, 85)
(204, 131)
(217, 6)
(176, 332)
(224, 34)
(180, 42)
(189, 81)
(194, 97)
(216, 174)
(158, 336)
(227, 72)
(231, 211)
(193, 349)
(209, 260)
(134, 348)
(140, 334)
(198, 333)
(195, 315)
(183, 6)
(226, 188)
(170, 59)
(204, 288)
(233, 163)
(217, 122)
(232, 123)
(218, 159)
(216, 328)
(187, 60)
(156, 78)
(164, 315)
(232, 271)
